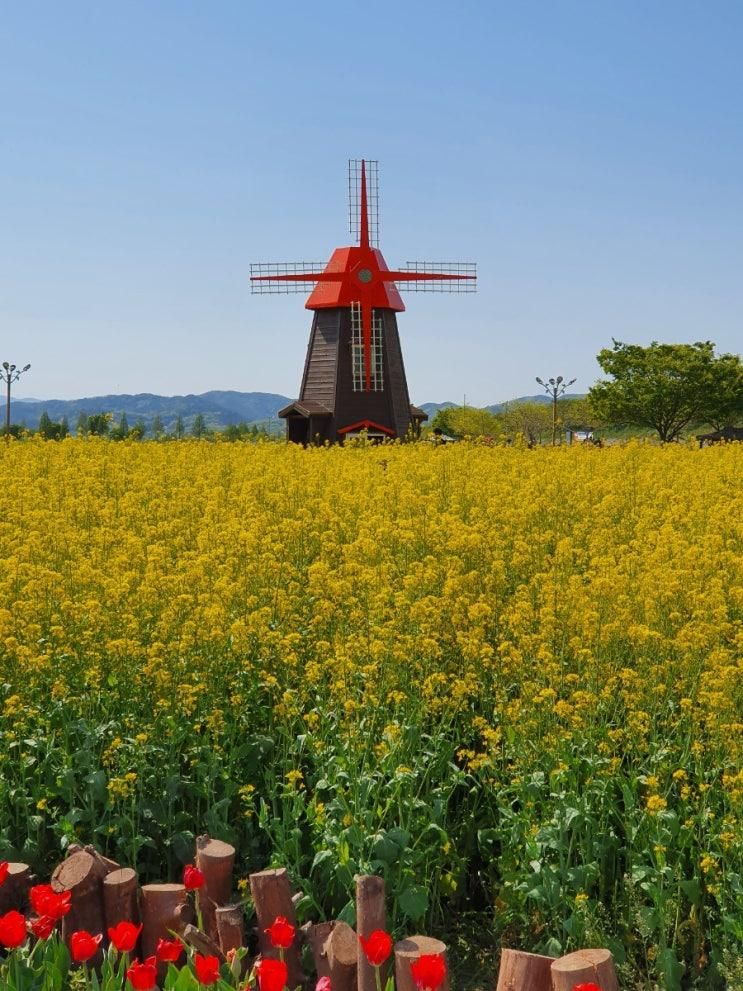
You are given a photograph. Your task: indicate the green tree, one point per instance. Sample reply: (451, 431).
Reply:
(99, 424)
(50, 430)
(81, 428)
(138, 430)
(667, 386)
(198, 428)
(725, 400)
(46, 427)
(466, 421)
(179, 429)
(576, 414)
(157, 427)
(532, 420)
(121, 432)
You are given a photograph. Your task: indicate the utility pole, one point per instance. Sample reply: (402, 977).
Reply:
(10, 374)
(555, 388)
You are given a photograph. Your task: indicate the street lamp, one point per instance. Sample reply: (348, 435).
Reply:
(10, 374)
(555, 388)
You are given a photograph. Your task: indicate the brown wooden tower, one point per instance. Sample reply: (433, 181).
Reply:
(354, 376)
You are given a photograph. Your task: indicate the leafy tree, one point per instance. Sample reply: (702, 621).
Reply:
(532, 420)
(157, 427)
(576, 414)
(667, 386)
(81, 429)
(99, 424)
(138, 430)
(725, 400)
(466, 421)
(198, 428)
(121, 432)
(46, 427)
(179, 429)
(50, 430)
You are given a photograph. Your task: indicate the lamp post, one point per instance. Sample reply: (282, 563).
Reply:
(10, 374)
(555, 388)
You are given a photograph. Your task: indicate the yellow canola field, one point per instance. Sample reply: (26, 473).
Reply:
(575, 613)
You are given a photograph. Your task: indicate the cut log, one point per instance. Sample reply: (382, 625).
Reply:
(370, 915)
(83, 875)
(521, 971)
(14, 890)
(201, 942)
(407, 952)
(230, 927)
(121, 897)
(341, 953)
(272, 897)
(111, 865)
(596, 966)
(317, 937)
(165, 907)
(215, 859)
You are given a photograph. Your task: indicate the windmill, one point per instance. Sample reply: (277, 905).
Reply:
(354, 377)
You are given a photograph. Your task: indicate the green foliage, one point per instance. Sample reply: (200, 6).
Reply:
(97, 424)
(121, 432)
(198, 428)
(466, 421)
(243, 431)
(668, 386)
(533, 421)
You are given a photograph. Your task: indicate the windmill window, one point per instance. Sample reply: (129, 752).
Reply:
(357, 351)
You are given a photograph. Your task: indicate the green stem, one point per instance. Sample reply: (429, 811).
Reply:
(199, 917)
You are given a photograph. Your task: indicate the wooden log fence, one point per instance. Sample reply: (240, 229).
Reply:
(104, 894)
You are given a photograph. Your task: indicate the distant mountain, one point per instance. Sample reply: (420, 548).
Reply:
(219, 409)
(541, 398)
(432, 408)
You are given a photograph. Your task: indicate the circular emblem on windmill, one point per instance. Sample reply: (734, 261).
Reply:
(365, 275)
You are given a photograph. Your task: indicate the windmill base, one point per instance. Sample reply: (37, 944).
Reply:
(333, 406)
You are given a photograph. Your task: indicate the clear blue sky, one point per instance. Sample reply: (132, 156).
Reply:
(587, 154)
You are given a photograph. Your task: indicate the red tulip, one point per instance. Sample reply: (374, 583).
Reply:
(588, 986)
(143, 976)
(46, 901)
(124, 936)
(377, 947)
(12, 929)
(207, 969)
(4, 868)
(168, 950)
(193, 878)
(43, 927)
(281, 933)
(428, 971)
(272, 974)
(83, 946)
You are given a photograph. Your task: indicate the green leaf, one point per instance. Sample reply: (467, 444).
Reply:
(348, 913)
(670, 969)
(183, 846)
(414, 902)
(186, 981)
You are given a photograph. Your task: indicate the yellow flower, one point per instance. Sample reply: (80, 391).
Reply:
(655, 804)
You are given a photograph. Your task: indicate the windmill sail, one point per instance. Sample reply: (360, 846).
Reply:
(369, 169)
(454, 277)
(284, 277)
